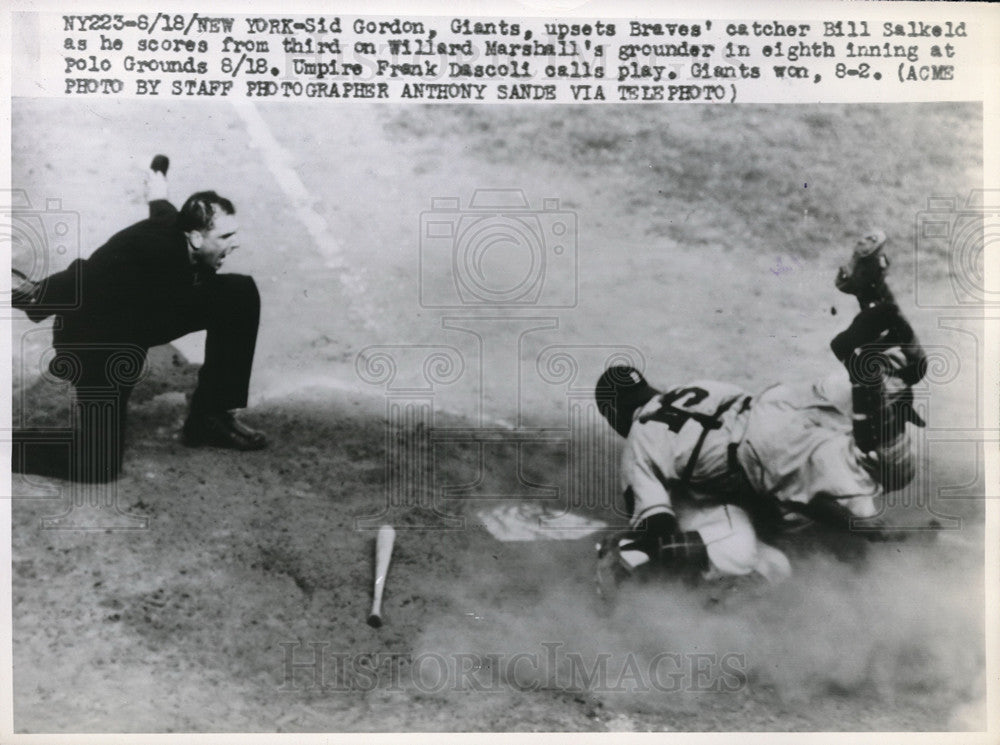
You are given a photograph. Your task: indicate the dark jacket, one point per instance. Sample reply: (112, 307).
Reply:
(134, 288)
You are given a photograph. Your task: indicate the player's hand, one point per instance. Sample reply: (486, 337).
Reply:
(156, 179)
(156, 186)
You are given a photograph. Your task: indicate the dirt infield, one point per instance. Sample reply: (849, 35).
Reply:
(705, 240)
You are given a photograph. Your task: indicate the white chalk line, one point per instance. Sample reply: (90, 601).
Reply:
(300, 386)
(278, 160)
(290, 387)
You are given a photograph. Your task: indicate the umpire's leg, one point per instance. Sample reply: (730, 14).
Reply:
(230, 311)
(101, 408)
(92, 449)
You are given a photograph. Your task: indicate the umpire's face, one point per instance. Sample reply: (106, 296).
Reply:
(210, 247)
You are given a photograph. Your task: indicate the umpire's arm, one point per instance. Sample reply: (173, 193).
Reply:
(161, 210)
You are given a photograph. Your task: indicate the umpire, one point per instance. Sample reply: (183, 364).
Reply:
(149, 284)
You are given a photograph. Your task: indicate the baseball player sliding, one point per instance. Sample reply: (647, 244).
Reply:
(702, 458)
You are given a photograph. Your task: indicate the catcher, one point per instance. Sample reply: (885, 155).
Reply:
(703, 458)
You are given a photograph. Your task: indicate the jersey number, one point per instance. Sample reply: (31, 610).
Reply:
(674, 417)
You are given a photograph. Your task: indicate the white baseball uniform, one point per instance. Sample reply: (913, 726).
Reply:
(793, 442)
(799, 446)
(663, 438)
(677, 460)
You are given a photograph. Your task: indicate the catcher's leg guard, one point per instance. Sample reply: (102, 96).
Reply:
(880, 348)
(861, 349)
(23, 291)
(884, 360)
(895, 467)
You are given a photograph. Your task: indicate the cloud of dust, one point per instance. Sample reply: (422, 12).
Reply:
(908, 622)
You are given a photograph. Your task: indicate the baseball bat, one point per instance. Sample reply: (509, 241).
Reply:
(161, 163)
(383, 553)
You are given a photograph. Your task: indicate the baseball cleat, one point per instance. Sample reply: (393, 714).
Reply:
(26, 295)
(864, 275)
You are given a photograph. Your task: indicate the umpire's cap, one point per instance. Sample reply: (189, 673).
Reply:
(619, 392)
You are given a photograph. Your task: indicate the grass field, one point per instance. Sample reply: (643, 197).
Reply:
(706, 242)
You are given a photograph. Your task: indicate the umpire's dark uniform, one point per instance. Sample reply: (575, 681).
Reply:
(138, 290)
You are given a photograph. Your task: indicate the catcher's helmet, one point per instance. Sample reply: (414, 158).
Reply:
(619, 392)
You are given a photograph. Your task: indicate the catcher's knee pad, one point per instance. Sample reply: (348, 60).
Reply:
(867, 419)
(880, 393)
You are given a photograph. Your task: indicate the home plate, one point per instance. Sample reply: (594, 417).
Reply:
(531, 521)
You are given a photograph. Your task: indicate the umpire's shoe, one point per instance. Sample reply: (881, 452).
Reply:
(864, 275)
(221, 430)
(24, 294)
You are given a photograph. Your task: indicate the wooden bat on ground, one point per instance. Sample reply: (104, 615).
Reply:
(383, 553)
